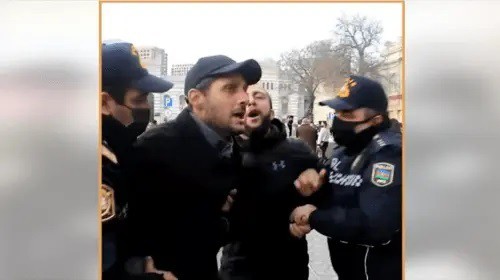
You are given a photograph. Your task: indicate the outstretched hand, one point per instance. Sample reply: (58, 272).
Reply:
(310, 181)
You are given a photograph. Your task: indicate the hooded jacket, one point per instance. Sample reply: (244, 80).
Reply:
(259, 218)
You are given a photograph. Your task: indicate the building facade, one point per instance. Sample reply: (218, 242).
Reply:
(323, 113)
(392, 71)
(168, 105)
(154, 59)
(180, 69)
(284, 94)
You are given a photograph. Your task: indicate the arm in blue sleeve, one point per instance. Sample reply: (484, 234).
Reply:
(378, 215)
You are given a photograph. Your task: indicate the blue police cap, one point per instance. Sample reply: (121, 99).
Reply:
(121, 65)
(359, 92)
(221, 65)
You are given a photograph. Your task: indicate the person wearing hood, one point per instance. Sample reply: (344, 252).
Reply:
(261, 245)
(125, 115)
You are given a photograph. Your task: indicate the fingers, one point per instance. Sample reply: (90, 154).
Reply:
(304, 229)
(309, 181)
(299, 217)
(303, 220)
(299, 230)
(149, 265)
(294, 230)
(322, 177)
(229, 201)
(169, 276)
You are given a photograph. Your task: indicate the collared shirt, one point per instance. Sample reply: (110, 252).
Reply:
(225, 148)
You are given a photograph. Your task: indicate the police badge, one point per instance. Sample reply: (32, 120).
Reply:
(382, 174)
(345, 91)
(107, 201)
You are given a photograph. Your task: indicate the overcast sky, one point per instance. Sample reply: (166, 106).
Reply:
(188, 31)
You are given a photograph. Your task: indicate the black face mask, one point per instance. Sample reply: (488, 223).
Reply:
(121, 137)
(141, 121)
(344, 135)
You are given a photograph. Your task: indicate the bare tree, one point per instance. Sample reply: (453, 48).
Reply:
(360, 36)
(311, 66)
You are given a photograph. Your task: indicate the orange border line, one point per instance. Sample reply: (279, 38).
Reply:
(403, 93)
(252, 1)
(403, 165)
(99, 148)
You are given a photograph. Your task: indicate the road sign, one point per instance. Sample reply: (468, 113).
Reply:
(167, 101)
(168, 113)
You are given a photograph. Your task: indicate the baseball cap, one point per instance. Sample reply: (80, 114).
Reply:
(359, 92)
(221, 65)
(121, 65)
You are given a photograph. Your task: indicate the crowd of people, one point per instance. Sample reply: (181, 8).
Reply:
(226, 173)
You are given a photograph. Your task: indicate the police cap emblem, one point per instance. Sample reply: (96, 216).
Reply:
(345, 91)
(135, 53)
(107, 203)
(382, 174)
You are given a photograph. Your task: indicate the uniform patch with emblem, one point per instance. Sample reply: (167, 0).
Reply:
(382, 174)
(107, 201)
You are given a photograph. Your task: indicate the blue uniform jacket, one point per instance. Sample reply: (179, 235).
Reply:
(364, 194)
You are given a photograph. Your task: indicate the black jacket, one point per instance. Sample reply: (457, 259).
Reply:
(259, 220)
(114, 197)
(112, 204)
(180, 185)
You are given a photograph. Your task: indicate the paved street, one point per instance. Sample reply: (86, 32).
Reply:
(320, 267)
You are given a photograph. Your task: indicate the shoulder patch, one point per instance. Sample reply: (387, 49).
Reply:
(108, 154)
(382, 140)
(107, 203)
(382, 174)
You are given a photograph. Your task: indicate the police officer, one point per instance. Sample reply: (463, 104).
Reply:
(125, 115)
(362, 216)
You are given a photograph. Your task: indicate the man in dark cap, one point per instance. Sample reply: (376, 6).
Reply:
(187, 168)
(125, 115)
(363, 180)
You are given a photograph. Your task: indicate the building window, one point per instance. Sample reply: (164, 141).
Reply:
(272, 86)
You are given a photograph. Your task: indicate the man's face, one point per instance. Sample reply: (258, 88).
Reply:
(258, 109)
(223, 104)
(358, 115)
(132, 98)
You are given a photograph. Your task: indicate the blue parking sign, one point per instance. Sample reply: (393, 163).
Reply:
(167, 101)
